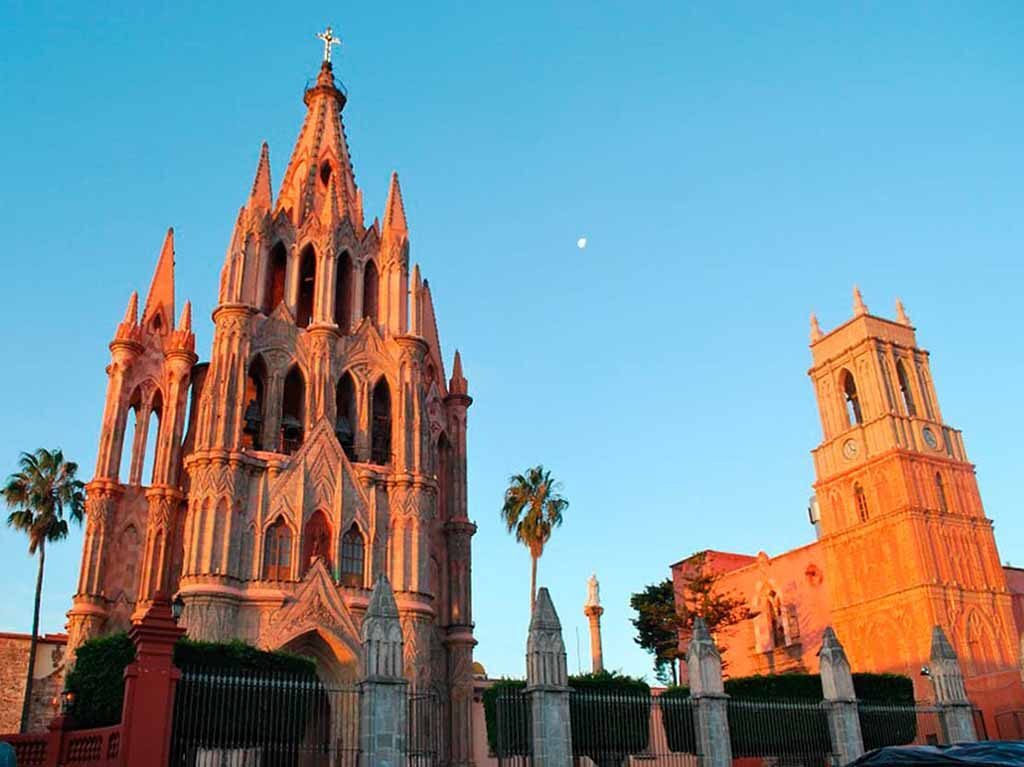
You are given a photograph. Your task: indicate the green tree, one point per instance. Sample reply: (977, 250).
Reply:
(657, 627)
(42, 497)
(532, 510)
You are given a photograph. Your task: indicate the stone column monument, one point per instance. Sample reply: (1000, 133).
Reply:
(383, 712)
(955, 708)
(547, 684)
(840, 698)
(593, 610)
(705, 670)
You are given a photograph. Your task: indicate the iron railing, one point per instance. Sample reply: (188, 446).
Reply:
(228, 719)
(426, 726)
(511, 742)
(793, 732)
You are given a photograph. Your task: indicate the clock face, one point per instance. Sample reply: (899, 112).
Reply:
(929, 438)
(850, 448)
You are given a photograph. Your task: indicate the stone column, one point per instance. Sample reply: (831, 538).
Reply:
(383, 709)
(593, 610)
(710, 701)
(955, 709)
(547, 685)
(840, 698)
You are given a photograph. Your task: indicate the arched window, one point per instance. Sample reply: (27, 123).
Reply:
(152, 439)
(370, 291)
(380, 413)
(940, 491)
(861, 501)
(255, 389)
(325, 172)
(343, 293)
(277, 552)
(352, 556)
(277, 268)
(345, 423)
(775, 619)
(316, 541)
(131, 419)
(908, 397)
(293, 410)
(307, 287)
(853, 413)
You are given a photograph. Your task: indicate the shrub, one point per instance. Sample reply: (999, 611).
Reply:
(515, 717)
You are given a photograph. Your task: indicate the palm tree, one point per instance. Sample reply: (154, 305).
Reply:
(42, 497)
(533, 508)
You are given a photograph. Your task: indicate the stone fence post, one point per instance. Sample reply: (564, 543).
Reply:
(547, 685)
(710, 701)
(955, 709)
(383, 704)
(840, 699)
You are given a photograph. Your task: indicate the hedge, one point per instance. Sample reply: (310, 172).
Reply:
(97, 680)
(751, 734)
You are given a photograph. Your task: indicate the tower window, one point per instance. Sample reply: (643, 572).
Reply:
(380, 441)
(317, 541)
(252, 419)
(370, 291)
(307, 287)
(277, 267)
(940, 491)
(343, 293)
(861, 501)
(352, 556)
(345, 420)
(853, 412)
(908, 397)
(325, 172)
(293, 410)
(277, 552)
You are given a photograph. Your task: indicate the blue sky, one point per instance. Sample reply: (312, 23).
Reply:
(734, 166)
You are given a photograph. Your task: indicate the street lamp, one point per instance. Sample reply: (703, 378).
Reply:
(177, 606)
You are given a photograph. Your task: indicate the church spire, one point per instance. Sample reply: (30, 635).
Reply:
(261, 197)
(394, 210)
(159, 312)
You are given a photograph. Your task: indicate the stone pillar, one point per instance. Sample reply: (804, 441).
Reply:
(149, 686)
(710, 701)
(593, 610)
(840, 698)
(547, 685)
(383, 703)
(955, 709)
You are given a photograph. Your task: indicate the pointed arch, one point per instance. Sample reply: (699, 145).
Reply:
(307, 287)
(131, 419)
(343, 293)
(150, 446)
(851, 399)
(293, 410)
(861, 502)
(345, 420)
(380, 423)
(325, 172)
(277, 270)
(255, 404)
(905, 391)
(353, 557)
(316, 540)
(277, 551)
(371, 282)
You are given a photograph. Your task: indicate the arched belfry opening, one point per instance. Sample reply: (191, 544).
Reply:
(370, 290)
(380, 418)
(343, 293)
(293, 411)
(277, 268)
(307, 287)
(152, 439)
(255, 404)
(852, 400)
(905, 392)
(325, 172)
(316, 541)
(345, 420)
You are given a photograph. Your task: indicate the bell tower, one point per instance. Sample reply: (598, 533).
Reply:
(906, 541)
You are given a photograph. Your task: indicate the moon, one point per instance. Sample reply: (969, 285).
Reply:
(581, 243)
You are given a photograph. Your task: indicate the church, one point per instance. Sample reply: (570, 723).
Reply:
(321, 446)
(903, 543)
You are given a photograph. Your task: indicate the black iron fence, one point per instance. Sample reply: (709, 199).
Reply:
(426, 726)
(793, 732)
(511, 741)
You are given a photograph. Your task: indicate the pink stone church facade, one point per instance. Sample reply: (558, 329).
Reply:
(319, 447)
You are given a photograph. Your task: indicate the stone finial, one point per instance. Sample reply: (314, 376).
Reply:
(131, 315)
(382, 634)
(816, 333)
(901, 314)
(545, 650)
(704, 662)
(945, 670)
(394, 210)
(458, 383)
(185, 323)
(836, 679)
(859, 307)
(261, 198)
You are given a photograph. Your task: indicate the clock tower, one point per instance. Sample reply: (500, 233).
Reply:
(906, 542)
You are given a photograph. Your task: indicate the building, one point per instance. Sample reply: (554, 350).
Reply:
(320, 448)
(903, 543)
(47, 679)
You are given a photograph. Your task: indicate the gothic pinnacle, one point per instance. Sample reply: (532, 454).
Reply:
(859, 307)
(458, 383)
(261, 197)
(330, 213)
(394, 210)
(160, 299)
(901, 313)
(185, 323)
(131, 315)
(816, 333)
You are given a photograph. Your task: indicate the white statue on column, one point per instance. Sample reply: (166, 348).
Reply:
(593, 592)
(593, 610)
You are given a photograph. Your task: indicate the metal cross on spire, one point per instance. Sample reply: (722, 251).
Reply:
(329, 39)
